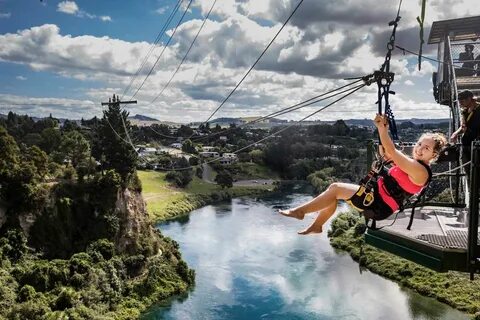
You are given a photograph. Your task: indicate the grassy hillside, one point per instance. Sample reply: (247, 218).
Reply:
(165, 201)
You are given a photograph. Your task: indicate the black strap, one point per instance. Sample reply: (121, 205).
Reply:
(420, 195)
(402, 204)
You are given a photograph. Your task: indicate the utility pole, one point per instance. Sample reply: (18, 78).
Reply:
(116, 100)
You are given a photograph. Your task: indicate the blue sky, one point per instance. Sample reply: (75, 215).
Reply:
(68, 56)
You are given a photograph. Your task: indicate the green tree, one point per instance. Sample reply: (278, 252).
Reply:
(116, 151)
(70, 126)
(193, 161)
(17, 177)
(257, 156)
(184, 131)
(51, 139)
(224, 179)
(188, 146)
(9, 153)
(32, 139)
(75, 147)
(39, 159)
(341, 128)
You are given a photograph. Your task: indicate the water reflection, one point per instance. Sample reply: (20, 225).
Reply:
(251, 264)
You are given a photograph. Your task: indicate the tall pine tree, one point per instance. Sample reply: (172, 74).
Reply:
(117, 153)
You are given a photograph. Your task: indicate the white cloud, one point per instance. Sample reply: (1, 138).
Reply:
(68, 7)
(22, 78)
(321, 45)
(43, 48)
(41, 107)
(5, 15)
(427, 69)
(161, 10)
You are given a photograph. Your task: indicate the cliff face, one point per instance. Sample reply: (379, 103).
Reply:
(134, 225)
(102, 258)
(75, 215)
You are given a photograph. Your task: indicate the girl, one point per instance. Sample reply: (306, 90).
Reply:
(408, 176)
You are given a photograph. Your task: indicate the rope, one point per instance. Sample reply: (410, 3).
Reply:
(434, 60)
(367, 81)
(451, 170)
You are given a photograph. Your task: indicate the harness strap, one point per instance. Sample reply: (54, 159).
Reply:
(420, 195)
(399, 195)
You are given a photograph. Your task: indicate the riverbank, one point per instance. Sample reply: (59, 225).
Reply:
(165, 202)
(452, 288)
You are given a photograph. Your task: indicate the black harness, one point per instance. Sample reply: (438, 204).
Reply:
(403, 198)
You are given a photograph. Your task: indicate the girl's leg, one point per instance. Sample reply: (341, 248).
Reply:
(323, 216)
(336, 191)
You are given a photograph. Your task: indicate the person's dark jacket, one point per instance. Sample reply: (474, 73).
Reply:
(472, 131)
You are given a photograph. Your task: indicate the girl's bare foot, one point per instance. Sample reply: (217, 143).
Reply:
(292, 213)
(314, 228)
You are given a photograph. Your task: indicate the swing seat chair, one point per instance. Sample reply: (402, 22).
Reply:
(434, 233)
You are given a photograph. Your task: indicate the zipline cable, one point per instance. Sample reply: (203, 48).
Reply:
(163, 50)
(277, 132)
(153, 67)
(367, 81)
(152, 47)
(186, 54)
(283, 111)
(271, 115)
(255, 63)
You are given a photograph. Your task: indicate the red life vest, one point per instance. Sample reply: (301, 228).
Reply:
(396, 186)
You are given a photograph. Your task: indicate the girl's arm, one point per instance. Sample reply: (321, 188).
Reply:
(416, 172)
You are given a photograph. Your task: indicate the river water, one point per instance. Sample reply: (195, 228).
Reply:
(251, 264)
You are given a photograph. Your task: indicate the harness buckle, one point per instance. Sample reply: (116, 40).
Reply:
(369, 198)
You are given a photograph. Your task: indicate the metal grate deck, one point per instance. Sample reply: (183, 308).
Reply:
(455, 239)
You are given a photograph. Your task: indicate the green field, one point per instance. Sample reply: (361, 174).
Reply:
(165, 201)
(250, 170)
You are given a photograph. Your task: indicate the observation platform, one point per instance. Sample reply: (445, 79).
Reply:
(469, 83)
(438, 238)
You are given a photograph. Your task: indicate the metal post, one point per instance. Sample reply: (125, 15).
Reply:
(457, 178)
(473, 252)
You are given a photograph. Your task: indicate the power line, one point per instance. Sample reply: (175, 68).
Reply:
(113, 102)
(153, 67)
(43, 104)
(163, 135)
(186, 54)
(255, 63)
(163, 50)
(153, 46)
